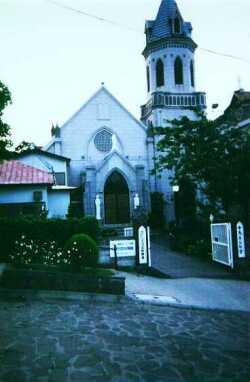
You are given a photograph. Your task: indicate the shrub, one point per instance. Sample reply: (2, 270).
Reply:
(43, 231)
(29, 252)
(81, 250)
(192, 239)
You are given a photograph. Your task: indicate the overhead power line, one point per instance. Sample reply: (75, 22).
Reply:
(225, 55)
(119, 25)
(87, 14)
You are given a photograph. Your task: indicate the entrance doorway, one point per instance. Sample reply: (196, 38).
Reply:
(116, 200)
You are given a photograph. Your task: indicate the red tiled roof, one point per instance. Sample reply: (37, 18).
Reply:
(15, 172)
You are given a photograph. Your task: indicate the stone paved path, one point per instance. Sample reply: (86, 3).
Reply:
(179, 265)
(59, 341)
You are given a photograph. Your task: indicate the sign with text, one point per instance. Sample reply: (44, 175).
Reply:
(241, 240)
(128, 232)
(142, 241)
(125, 248)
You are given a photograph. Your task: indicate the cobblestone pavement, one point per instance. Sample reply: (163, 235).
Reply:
(61, 341)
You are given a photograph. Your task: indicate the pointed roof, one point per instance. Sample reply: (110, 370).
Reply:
(103, 89)
(15, 173)
(162, 26)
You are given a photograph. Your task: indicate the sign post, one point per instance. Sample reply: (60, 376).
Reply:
(142, 245)
(241, 240)
(149, 248)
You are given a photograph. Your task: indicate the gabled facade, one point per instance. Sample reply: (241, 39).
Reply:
(105, 144)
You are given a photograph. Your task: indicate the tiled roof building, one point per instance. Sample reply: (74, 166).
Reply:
(17, 173)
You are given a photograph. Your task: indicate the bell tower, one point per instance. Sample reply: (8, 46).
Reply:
(170, 68)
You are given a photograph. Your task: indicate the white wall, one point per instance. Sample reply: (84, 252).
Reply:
(58, 202)
(102, 111)
(21, 194)
(79, 132)
(168, 57)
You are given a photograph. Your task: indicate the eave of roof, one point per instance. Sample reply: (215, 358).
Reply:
(43, 152)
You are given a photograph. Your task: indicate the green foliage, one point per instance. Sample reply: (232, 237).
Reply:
(81, 250)
(27, 251)
(43, 230)
(214, 156)
(192, 238)
(156, 217)
(108, 232)
(5, 142)
(25, 146)
(74, 210)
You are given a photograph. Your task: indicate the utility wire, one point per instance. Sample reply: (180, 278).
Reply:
(80, 12)
(111, 22)
(225, 55)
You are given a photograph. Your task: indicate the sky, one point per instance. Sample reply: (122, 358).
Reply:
(53, 59)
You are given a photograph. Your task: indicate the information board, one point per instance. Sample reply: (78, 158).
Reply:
(125, 248)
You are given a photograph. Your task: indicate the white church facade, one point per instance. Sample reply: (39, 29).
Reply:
(108, 154)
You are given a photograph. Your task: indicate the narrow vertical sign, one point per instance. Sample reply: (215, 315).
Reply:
(149, 247)
(241, 240)
(142, 240)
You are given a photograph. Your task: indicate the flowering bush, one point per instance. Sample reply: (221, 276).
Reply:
(81, 250)
(42, 230)
(27, 251)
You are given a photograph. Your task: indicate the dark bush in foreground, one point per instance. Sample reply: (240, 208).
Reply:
(81, 251)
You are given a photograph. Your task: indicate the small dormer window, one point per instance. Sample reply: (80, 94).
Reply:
(177, 26)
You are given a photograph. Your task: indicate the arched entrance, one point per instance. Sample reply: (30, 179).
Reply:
(116, 200)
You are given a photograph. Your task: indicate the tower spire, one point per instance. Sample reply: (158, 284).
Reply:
(170, 66)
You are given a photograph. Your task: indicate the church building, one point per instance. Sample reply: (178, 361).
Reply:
(106, 153)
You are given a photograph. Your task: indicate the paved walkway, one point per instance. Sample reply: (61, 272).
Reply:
(179, 265)
(61, 341)
(191, 292)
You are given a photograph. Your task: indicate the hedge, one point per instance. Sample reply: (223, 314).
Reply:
(43, 230)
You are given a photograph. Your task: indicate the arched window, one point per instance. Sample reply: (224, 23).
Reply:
(177, 25)
(159, 73)
(192, 73)
(148, 79)
(178, 71)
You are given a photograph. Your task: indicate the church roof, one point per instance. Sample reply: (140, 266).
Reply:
(239, 108)
(107, 92)
(17, 173)
(162, 26)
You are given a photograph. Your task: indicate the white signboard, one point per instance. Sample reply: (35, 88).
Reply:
(142, 240)
(125, 248)
(241, 240)
(149, 248)
(129, 232)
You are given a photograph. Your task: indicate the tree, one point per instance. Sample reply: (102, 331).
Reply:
(24, 146)
(5, 141)
(214, 156)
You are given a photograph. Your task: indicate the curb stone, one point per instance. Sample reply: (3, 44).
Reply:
(25, 295)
